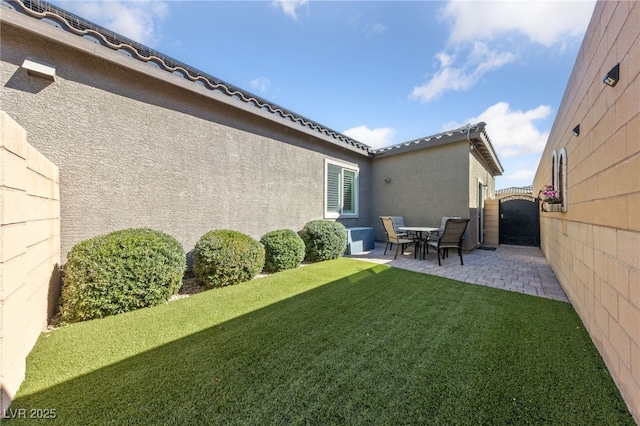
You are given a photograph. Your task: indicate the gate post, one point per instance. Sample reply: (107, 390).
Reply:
(491, 222)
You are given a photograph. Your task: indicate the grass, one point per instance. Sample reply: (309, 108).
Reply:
(338, 342)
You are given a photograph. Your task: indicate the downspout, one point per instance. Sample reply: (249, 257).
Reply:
(480, 194)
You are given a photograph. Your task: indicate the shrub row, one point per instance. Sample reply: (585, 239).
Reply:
(137, 268)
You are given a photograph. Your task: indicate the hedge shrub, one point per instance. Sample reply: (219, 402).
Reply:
(119, 272)
(284, 249)
(224, 257)
(324, 240)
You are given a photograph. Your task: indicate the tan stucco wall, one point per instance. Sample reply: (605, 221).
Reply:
(594, 248)
(424, 186)
(138, 146)
(29, 251)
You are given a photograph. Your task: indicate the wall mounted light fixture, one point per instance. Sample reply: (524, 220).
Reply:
(576, 130)
(39, 69)
(612, 76)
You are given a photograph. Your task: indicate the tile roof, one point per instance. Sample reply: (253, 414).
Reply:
(475, 134)
(74, 24)
(522, 190)
(66, 21)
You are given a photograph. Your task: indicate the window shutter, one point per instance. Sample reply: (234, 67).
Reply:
(341, 191)
(348, 192)
(333, 188)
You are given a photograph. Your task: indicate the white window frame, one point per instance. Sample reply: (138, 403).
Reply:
(562, 177)
(554, 170)
(559, 175)
(355, 190)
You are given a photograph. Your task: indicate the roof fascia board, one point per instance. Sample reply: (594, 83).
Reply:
(23, 22)
(419, 145)
(490, 156)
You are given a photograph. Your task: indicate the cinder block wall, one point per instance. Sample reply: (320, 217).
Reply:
(594, 248)
(29, 251)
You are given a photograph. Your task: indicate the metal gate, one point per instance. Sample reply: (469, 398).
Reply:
(520, 221)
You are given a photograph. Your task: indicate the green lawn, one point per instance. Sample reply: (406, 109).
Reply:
(338, 342)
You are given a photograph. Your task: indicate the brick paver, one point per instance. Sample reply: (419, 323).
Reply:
(513, 268)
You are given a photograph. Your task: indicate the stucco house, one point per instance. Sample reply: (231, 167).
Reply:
(592, 157)
(100, 133)
(447, 174)
(144, 140)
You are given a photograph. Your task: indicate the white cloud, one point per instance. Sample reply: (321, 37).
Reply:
(526, 175)
(479, 61)
(512, 133)
(445, 59)
(370, 29)
(376, 138)
(138, 20)
(523, 176)
(517, 139)
(377, 28)
(289, 7)
(484, 24)
(545, 22)
(518, 172)
(261, 84)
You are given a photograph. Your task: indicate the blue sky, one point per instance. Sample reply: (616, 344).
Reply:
(382, 72)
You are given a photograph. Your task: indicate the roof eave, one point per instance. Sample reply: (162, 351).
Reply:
(201, 83)
(483, 145)
(417, 145)
(475, 135)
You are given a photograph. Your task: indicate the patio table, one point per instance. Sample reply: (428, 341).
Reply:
(420, 230)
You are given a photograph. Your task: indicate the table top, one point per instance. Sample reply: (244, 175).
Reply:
(417, 228)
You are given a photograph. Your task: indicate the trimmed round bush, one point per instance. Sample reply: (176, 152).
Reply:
(224, 257)
(284, 249)
(323, 240)
(119, 272)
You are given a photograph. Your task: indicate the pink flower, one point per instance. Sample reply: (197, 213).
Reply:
(551, 195)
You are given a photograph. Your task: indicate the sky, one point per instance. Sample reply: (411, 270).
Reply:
(381, 72)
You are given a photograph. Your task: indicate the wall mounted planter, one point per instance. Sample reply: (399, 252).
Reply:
(556, 207)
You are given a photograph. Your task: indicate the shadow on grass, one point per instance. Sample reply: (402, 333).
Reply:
(382, 346)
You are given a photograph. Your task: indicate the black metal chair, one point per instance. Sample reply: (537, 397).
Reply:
(393, 237)
(451, 237)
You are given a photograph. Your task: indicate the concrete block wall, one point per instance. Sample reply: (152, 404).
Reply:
(594, 248)
(29, 251)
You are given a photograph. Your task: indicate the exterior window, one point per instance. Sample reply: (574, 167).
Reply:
(556, 193)
(554, 168)
(562, 177)
(341, 190)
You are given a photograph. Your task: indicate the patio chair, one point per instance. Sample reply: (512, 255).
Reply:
(443, 222)
(398, 221)
(451, 237)
(393, 237)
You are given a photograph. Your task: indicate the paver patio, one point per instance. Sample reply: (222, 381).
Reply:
(514, 268)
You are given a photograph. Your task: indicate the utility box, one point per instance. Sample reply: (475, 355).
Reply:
(359, 239)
